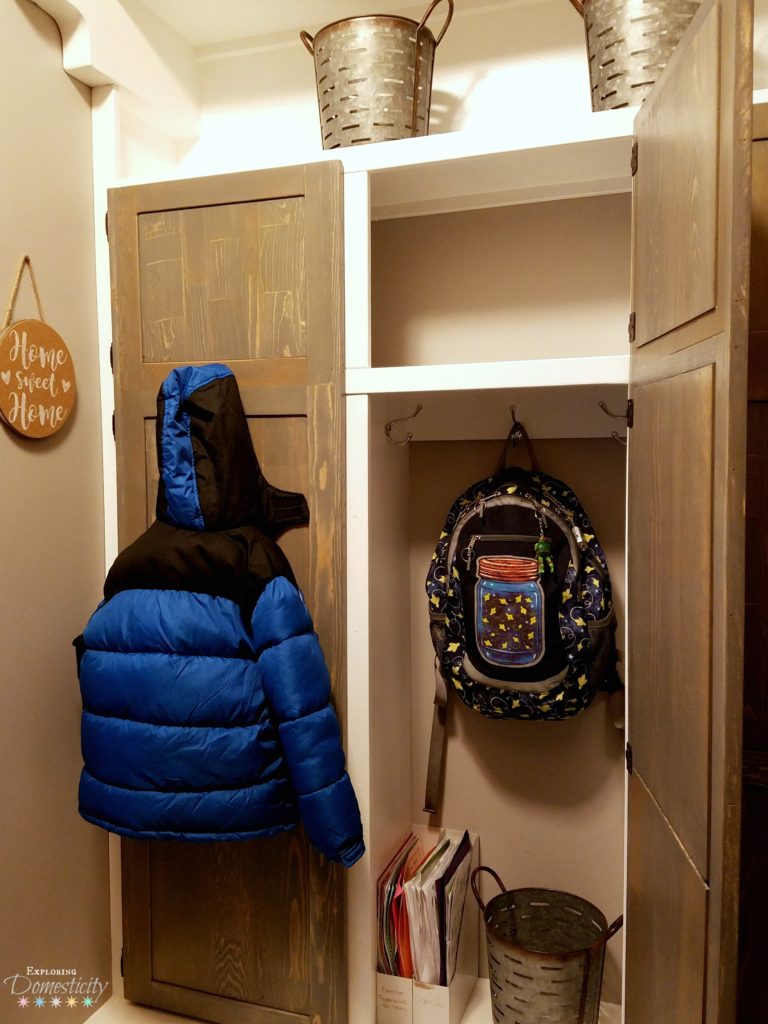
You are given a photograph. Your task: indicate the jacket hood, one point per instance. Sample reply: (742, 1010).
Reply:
(210, 478)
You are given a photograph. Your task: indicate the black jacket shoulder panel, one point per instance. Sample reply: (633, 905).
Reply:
(236, 564)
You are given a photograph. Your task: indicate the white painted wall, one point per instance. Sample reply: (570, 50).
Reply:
(501, 65)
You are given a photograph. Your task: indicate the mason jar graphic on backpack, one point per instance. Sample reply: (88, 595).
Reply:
(509, 610)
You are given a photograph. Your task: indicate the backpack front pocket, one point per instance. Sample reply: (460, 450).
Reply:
(509, 611)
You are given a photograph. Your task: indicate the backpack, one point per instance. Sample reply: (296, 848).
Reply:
(520, 605)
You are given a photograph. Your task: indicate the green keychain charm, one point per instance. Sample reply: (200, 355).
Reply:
(543, 551)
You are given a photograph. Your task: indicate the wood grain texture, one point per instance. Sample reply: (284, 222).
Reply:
(675, 241)
(756, 595)
(753, 904)
(758, 293)
(239, 932)
(670, 594)
(717, 337)
(327, 552)
(227, 913)
(753, 977)
(666, 921)
(223, 282)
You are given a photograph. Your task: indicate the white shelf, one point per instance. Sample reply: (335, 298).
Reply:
(463, 170)
(459, 171)
(515, 375)
(553, 397)
(479, 1010)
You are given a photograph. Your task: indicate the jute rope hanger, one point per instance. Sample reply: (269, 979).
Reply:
(25, 262)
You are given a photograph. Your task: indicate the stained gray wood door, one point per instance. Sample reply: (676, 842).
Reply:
(691, 229)
(244, 269)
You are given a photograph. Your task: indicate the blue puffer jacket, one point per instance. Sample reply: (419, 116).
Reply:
(206, 699)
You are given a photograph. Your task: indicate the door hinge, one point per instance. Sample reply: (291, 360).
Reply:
(631, 412)
(112, 357)
(113, 426)
(633, 160)
(632, 328)
(630, 758)
(106, 224)
(122, 966)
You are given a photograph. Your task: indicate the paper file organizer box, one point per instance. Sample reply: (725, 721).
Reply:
(403, 1001)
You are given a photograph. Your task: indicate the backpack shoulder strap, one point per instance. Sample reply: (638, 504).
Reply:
(436, 743)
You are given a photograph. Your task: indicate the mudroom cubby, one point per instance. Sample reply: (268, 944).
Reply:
(546, 799)
(477, 303)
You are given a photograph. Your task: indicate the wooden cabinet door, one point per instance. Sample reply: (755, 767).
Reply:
(243, 269)
(691, 216)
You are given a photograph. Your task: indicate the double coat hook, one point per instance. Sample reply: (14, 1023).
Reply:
(618, 416)
(401, 419)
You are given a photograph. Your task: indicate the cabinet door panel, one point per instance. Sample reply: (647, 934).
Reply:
(245, 269)
(667, 940)
(224, 281)
(686, 519)
(671, 598)
(675, 242)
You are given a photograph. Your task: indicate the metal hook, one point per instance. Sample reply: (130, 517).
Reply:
(516, 432)
(621, 440)
(401, 419)
(614, 415)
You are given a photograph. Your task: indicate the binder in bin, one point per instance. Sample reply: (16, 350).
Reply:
(404, 1001)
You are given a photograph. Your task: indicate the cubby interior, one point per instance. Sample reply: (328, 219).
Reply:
(547, 282)
(546, 798)
(531, 281)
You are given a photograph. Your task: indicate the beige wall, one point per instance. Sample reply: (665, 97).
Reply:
(53, 866)
(541, 280)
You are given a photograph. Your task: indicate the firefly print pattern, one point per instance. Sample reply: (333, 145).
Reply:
(509, 623)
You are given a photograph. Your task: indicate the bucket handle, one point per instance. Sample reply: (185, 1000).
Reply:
(309, 42)
(578, 6)
(617, 924)
(447, 22)
(475, 889)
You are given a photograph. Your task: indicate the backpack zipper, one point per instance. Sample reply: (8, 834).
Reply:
(512, 499)
(469, 551)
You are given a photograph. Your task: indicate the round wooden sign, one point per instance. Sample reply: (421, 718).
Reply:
(37, 379)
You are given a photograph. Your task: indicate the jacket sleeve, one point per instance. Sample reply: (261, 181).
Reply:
(297, 688)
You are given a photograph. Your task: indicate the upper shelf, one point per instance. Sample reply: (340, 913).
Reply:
(461, 170)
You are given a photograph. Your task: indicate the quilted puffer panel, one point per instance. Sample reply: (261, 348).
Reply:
(171, 757)
(297, 688)
(172, 689)
(296, 675)
(313, 751)
(279, 614)
(231, 814)
(177, 457)
(169, 621)
(332, 821)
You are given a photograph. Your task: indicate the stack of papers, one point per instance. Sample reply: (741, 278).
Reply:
(394, 940)
(420, 908)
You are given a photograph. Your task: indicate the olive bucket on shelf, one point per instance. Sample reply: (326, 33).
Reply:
(374, 77)
(546, 951)
(629, 43)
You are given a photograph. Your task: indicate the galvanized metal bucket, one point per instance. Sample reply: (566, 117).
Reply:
(374, 77)
(629, 43)
(546, 951)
